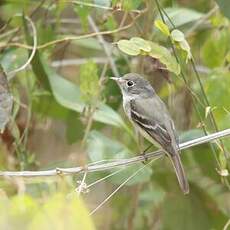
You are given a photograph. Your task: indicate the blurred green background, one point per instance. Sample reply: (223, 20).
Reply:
(66, 112)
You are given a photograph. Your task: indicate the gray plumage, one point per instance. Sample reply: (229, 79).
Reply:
(149, 114)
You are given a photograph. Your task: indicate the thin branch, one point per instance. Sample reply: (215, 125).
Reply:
(13, 72)
(119, 187)
(101, 6)
(106, 177)
(73, 21)
(82, 184)
(105, 47)
(70, 38)
(115, 163)
(7, 33)
(227, 225)
(78, 61)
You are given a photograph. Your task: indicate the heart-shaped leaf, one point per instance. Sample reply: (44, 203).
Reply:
(177, 35)
(128, 47)
(141, 43)
(135, 45)
(165, 57)
(179, 38)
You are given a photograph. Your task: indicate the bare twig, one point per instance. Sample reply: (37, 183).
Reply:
(227, 225)
(119, 187)
(115, 163)
(12, 73)
(82, 184)
(7, 33)
(78, 61)
(105, 47)
(70, 38)
(106, 177)
(100, 6)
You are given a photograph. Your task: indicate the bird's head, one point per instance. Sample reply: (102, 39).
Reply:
(133, 85)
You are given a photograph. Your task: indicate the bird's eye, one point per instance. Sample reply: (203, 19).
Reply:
(130, 83)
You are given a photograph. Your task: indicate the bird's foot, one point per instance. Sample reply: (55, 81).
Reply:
(145, 161)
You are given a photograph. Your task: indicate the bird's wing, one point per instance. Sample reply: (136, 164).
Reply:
(152, 116)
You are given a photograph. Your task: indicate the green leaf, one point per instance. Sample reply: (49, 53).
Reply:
(100, 147)
(141, 43)
(46, 105)
(179, 37)
(46, 33)
(89, 83)
(181, 16)
(13, 59)
(195, 211)
(68, 95)
(162, 27)
(224, 7)
(185, 46)
(165, 57)
(74, 127)
(128, 47)
(107, 115)
(135, 45)
(215, 48)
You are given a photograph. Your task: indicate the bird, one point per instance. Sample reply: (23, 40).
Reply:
(149, 115)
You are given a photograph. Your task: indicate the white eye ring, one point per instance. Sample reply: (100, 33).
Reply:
(130, 83)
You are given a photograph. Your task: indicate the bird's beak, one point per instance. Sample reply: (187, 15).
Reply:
(117, 79)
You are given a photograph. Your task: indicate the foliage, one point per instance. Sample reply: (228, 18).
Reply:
(25, 212)
(89, 84)
(67, 112)
(136, 46)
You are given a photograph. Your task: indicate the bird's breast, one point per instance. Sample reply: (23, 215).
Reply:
(127, 106)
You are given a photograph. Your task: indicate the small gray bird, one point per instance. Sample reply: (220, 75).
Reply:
(149, 114)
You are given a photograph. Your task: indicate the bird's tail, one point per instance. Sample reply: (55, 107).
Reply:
(183, 182)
